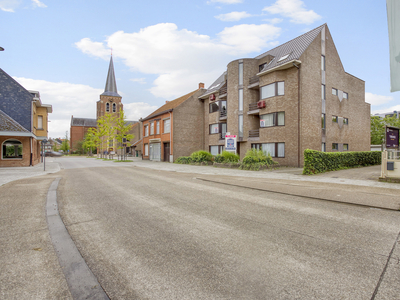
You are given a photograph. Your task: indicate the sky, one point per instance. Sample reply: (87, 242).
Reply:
(163, 49)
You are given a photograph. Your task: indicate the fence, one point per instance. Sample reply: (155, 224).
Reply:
(390, 164)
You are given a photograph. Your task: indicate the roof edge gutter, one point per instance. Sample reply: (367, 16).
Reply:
(286, 65)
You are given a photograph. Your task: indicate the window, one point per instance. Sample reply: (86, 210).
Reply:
(334, 92)
(345, 147)
(223, 106)
(114, 107)
(345, 95)
(272, 119)
(146, 130)
(284, 57)
(12, 149)
(167, 126)
(215, 150)
(214, 106)
(214, 128)
(158, 127)
(240, 73)
(322, 62)
(152, 128)
(273, 89)
(273, 149)
(146, 149)
(323, 91)
(107, 107)
(240, 99)
(323, 148)
(323, 121)
(40, 122)
(334, 119)
(261, 67)
(345, 121)
(335, 146)
(240, 126)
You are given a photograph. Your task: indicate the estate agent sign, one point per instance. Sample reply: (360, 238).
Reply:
(392, 137)
(230, 142)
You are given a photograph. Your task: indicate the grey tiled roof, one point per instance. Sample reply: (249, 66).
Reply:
(111, 85)
(131, 122)
(217, 84)
(295, 48)
(9, 124)
(83, 122)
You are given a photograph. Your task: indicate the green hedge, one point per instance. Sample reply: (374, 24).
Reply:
(183, 160)
(256, 159)
(226, 157)
(319, 162)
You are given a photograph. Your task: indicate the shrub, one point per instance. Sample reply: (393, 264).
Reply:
(219, 158)
(183, 160)
(201, 156)
(230, 157)
(319, 162)
(255, 159)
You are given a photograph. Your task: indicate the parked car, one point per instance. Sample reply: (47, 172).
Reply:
(52, 153)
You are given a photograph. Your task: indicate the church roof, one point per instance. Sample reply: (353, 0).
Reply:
(83, 122)
(111, 85)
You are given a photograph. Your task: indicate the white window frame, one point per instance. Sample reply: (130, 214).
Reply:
(168, 127)
(40, 122)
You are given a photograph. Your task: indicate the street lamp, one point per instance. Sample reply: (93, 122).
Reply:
(44, 154)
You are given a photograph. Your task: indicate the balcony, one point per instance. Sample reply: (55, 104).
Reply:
(254, 133)
(254, 82)
(223, 92)
(222, 135)
(253, 109)
(223, 115)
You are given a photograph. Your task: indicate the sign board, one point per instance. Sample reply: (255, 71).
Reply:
(262, 123)
(230, 142)
(392, 137)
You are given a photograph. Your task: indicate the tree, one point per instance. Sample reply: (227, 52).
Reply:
(106, 131)
(65, 144)
(55, 146)
(377, 130)
(90, 140)
(122, 128)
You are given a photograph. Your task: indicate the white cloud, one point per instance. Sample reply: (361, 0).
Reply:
(135, 111)
(273, 21)
(374, 99)
(293, 9)
(139, 80)
(248, 38)
(181, 58)
(38, 3)
(225, 1)
(233, 16)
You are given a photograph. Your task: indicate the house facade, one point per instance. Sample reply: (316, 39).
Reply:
(23, 123)
(175, 129)
(294, 97)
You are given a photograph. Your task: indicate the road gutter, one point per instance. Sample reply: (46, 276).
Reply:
(80, 279)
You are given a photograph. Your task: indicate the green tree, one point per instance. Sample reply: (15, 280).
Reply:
(377, 130)
(90, 141)
(65, 144)
(106, 126)
(122, 131)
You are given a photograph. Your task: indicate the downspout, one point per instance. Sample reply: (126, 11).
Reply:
(298, 115)
(170, 136)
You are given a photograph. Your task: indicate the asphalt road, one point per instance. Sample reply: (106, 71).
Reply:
(149, 234)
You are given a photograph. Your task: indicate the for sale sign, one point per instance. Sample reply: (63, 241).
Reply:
(392, 137)
(230, 142)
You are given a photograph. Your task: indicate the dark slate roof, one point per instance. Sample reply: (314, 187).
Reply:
(15, 100)
(111, 85)
(294, 48)
(83, 122)
(9, 124)
(131, 122)
(217, 84)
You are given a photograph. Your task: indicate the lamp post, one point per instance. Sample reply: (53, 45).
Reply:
(43, 154)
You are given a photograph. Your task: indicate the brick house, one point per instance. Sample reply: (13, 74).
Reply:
(110, 102)
(175, 129)
(23, 123)
(294, 97)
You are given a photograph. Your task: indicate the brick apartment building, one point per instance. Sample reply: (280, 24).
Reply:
(110, 103)
(175, 129)
(294, 97)
(23, 123)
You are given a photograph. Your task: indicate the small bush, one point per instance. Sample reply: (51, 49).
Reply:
(201, 156)
(319, 162)
(255, 159)
(183, 160)
(230, 157)
(219, 159)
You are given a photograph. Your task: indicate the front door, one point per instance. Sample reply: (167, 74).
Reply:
(166, 151)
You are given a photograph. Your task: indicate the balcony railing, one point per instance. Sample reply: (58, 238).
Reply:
(223, 90)
(253, 106)
(254, 133)
(254, 79)
(222, 135)
(222, 114)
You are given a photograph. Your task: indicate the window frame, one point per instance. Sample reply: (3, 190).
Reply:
(335, 147)
(258, 146)
(347, 147)
(345, 121)
(107, 107)
(167, 121)
(146, 149)
(152, 128)
(275, 119)
(146, 130)
(323, 91)
(158, 127)
(334, 91)
(220, 149)
(276, 89)
(15, 142)
(114, 107)
(323, 63)
(335, 119)
(213, 107)
(211, 125)
(40, 117)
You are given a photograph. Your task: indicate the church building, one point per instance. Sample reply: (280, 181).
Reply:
(109, 103)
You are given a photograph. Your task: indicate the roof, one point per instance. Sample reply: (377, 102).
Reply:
(216, 85)
(295, 48)
(9, 124)
(83, 122)
(170, 105)
(111, 85)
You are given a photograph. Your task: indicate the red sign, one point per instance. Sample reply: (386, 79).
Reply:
(212, 97)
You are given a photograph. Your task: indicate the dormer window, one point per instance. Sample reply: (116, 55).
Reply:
(107, 107)
(284, 57)
(114, 107)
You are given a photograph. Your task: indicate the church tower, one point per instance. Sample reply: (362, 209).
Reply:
(110, 100)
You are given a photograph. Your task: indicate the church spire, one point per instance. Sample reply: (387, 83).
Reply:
(111, 85)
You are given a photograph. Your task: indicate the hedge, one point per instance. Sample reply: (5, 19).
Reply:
(319, 162)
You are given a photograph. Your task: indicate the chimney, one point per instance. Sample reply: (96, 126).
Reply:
(201, 85)
(166, 102)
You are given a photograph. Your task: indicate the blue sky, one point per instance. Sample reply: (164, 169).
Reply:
(163, 49)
